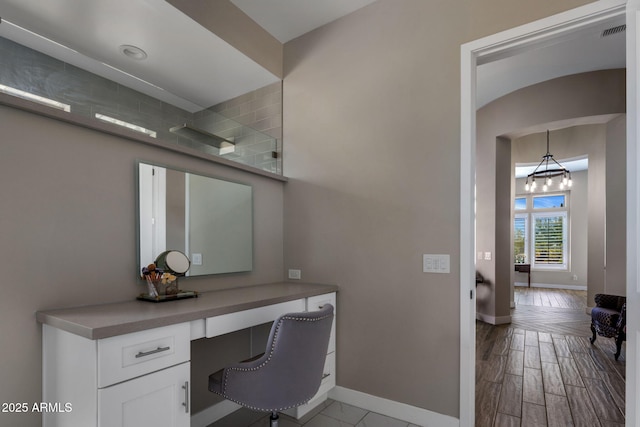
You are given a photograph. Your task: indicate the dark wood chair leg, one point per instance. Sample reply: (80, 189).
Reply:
(593, 331)
(619, 339)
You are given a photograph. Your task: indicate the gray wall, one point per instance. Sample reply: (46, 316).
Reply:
(371, 146)
(566, 98)
(175, 199)
(616, 210)
(68, 228)
(220, 225)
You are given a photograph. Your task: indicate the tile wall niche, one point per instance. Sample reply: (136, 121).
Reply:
(253, 120)
(259, 110)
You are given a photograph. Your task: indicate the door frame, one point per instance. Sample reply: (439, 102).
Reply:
(508, 43)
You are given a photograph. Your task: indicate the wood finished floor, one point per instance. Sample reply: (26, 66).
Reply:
(541, 369)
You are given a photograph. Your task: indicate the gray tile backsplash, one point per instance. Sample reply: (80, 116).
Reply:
(252, 120)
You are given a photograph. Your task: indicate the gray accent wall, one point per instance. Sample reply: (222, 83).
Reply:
(372, 150)
(567, 98)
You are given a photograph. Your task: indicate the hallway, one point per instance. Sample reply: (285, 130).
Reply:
(541, 370)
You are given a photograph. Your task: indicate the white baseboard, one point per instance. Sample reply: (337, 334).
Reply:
(213, 413)
(493, 320)
(390, 408)
(552, 286)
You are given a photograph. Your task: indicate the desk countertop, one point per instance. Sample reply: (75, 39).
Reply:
(108, 320)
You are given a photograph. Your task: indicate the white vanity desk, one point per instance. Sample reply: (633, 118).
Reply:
(128, 364)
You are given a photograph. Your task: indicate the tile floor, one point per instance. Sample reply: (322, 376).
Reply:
(541, 370)
(544, 379)
(331, 414)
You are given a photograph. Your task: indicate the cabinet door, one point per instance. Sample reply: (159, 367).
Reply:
(160, 399)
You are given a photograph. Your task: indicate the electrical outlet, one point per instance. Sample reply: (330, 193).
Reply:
(487, 256)
(295, 274)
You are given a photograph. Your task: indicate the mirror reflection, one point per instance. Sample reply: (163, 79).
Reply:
(208, 219)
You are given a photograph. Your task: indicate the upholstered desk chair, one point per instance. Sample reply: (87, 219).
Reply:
(288, 374)
(609, 319)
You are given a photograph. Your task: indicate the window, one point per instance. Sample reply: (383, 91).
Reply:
(520, 238)
(548, 202)
(540, 233)
(550, 240)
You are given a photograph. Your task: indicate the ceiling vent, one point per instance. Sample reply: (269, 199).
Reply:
(614, 30)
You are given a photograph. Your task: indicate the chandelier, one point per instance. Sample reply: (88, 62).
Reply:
(548, 169)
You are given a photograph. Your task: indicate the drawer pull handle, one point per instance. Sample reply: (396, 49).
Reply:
(186, 396)
(150, 352)
(325, 376)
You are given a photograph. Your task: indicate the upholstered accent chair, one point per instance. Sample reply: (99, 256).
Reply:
(289, 373)
(609, 319)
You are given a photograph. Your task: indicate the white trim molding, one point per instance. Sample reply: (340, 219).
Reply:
(391, 408)
(493, 320)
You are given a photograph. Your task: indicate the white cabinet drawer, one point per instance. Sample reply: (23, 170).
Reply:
(314, 304)
(328, 374)
(328, 382)
(128, 356)
(231, 322)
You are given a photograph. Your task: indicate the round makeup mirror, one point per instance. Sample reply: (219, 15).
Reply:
(174, 262)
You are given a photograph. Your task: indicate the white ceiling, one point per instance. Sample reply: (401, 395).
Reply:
(187, 66)
(583, 51)
(573, 165)
(191, 68)
(288, 19)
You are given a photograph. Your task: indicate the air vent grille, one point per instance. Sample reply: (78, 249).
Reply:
(614, 30)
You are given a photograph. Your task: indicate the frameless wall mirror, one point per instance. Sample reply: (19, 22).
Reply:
(229, 106)
(206, 218)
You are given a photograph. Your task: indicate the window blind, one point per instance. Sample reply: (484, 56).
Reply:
(549, 243)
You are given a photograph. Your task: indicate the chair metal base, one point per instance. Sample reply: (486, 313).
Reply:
(273, 419)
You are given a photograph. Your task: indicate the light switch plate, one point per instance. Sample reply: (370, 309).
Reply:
(436, 263)
(196, 259)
